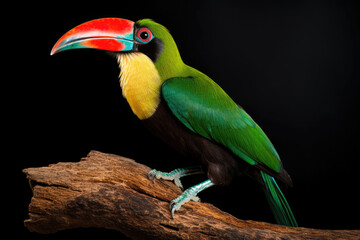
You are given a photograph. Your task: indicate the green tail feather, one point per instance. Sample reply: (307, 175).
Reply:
(278, 204)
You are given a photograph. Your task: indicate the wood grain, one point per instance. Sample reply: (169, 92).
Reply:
(113, 192)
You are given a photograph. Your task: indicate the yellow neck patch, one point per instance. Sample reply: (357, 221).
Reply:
(140, 83)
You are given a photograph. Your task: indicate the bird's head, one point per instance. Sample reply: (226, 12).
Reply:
(124, 36)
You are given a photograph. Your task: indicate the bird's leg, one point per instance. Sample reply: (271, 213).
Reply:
(189, 194)
(175, 175)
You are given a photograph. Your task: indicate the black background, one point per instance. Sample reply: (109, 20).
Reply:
(294, 66)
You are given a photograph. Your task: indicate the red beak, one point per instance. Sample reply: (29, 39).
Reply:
(111, 34)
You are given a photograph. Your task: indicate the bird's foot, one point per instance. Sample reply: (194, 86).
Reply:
(174, 175)
(187, 195)
(171, 176)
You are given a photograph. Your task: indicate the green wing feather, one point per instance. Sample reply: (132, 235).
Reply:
(202, 106)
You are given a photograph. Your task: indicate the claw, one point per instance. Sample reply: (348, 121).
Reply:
(178, 183)
(152, 175)
(172, 212)
(173, 207)
(171, 204)
(196, 199)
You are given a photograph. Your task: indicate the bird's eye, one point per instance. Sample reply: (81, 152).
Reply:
(144, 35)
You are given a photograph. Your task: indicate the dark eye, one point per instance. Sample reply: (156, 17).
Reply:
(144, 35)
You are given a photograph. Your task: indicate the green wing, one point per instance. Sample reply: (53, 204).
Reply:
(202, 106)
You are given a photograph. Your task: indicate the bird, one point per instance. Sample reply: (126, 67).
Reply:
(186, 109)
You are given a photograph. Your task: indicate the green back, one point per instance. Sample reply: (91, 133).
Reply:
(202, 106)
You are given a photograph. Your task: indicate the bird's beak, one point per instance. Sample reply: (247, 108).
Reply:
(111, 34)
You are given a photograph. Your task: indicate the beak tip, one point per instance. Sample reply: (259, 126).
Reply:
(53, 51)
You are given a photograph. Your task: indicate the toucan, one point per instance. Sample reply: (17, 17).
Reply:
(186, 109)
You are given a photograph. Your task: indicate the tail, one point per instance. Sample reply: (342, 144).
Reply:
(278, 204)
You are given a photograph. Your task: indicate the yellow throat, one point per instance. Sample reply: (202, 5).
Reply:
(140, 83)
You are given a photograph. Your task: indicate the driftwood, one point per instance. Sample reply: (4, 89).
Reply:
(113, 192)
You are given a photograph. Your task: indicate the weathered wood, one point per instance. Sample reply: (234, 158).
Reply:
(113, 192)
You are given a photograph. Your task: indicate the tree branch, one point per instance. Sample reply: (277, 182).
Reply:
(113, 192)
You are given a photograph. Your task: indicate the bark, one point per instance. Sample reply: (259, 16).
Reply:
(113, 192)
